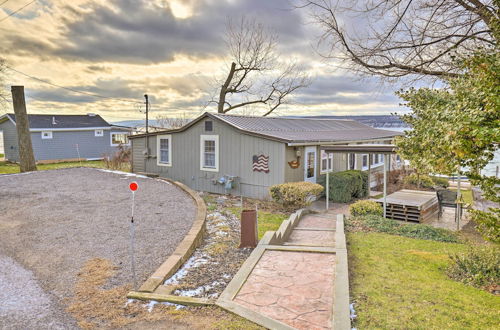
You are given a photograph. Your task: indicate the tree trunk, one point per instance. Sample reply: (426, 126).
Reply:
(26, 157)
(223, 89)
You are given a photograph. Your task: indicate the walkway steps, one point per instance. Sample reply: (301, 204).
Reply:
(298, 282)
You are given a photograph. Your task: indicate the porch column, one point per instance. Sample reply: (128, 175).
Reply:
(369, 174)
(385, 185)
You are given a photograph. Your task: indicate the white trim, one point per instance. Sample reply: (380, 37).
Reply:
(158, 155)
(329, 158)
(315, 164)
(99, 132)
(8, 117)
(69, 129)
(111, 139)
(50, 136)
(204, 138)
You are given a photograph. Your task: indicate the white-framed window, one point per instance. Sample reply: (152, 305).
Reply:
(209, 153)
(364, 161)
(326, 162)
(164, 150)
(118, 138)
(99, 132)
(351, 161)
(46, 135)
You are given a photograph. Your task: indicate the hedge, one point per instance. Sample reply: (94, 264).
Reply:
(297, 194)
(347, 185)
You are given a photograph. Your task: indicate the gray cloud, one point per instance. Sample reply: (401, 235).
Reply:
(135, 32)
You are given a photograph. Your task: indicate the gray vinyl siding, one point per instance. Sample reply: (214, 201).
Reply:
(61, 146)
(10, 141)
(235, 158)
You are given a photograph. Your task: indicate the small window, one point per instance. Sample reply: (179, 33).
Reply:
(119, 138)
(164, 150)
(209, 153)
(46, 135)
(209, 126)
(326, 162)
(365, 162)
(99, 132)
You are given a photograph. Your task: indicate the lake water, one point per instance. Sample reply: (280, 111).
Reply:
(489, 170)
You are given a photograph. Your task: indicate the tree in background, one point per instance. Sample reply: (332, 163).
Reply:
(256, 77)
(171, 122)
(459, 127)
(399, 38)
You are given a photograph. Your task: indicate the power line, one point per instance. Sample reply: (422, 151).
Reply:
(4, 2)
(68, 88)
(3, 19)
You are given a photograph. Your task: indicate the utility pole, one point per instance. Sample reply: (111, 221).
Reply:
(146, 156)
(26, 157)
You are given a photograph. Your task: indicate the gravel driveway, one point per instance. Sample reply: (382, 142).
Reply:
(52, 222)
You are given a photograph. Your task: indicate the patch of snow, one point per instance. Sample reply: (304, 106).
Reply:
(127, 174)
(192, 262)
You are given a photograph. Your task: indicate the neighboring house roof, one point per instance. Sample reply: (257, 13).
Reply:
(69, 122)
(296, 130)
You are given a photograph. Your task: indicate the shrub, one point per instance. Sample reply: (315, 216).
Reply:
(413, 230)
(119, 160)
(346, 185)
(297, 194)
(440, 181)
(425, 180)
(479, 267)
(365, 207)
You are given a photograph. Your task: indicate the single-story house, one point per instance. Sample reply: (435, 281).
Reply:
(246, 155)
(65, 137)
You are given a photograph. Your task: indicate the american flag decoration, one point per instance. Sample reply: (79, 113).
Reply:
(261, 163)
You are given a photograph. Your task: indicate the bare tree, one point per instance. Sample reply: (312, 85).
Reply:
(171, 122)
(405, 37)
(257, 76)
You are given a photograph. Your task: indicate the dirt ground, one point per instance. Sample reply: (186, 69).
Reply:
(53, 222)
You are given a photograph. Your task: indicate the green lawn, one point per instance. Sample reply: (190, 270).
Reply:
(7, 168)
(400, 283)
(466, 195)
(267, 221)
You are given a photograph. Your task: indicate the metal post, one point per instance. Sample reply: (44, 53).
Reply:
(327, 189)
(132, 242)
(458, 212)
(385, 185)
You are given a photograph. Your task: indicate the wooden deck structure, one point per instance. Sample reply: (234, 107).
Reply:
(411, 205)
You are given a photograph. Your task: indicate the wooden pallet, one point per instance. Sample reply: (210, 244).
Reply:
(411, 205)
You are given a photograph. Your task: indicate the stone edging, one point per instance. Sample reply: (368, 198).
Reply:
(181, 253)
(341, 312)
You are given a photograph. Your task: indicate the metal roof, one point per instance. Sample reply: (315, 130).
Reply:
(63, 121)
(295, 130)
(362, 148)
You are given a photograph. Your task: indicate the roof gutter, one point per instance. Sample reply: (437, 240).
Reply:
(315, 143)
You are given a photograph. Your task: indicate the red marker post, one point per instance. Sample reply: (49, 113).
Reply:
(133, 186)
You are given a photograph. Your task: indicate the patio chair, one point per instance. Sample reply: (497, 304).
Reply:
(446, 198)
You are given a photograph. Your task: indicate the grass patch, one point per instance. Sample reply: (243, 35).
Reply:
(400, 283)
(267, 221)
(394, 227)
(466, 195)
(9, 168)
(2, 155)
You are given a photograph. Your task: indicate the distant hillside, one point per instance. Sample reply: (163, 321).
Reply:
(379, 121)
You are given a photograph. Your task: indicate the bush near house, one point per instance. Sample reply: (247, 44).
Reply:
(479, 267)
(295, 194)
(364, 207)
(425, 180)
(347, 185)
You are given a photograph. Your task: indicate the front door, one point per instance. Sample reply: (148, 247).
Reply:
(310, 165)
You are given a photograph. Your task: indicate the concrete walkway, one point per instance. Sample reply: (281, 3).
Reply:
(294, 283)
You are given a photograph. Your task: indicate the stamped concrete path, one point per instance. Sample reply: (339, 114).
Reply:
(293, 283)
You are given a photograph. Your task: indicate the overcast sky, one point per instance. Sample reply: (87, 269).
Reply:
(172, 50)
